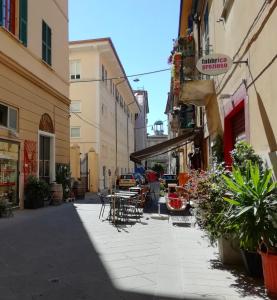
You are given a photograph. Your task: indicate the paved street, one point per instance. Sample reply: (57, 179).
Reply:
(66, 252)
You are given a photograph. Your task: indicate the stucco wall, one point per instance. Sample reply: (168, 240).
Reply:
(30, 57)
(259, 47)
(98, 110)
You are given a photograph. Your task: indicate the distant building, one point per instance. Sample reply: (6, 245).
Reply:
(141, 120)
(34, 93)
(102, 114)
(155, 139)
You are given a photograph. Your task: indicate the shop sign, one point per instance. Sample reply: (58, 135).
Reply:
(214, 64)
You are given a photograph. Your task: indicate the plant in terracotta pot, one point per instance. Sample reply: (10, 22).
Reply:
(253, 210)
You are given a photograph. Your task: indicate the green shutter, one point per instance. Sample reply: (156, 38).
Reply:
(1, 12)
(49, 45)
(23, 15)
(46, 43)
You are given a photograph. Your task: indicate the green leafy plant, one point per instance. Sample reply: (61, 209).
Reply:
(63, 176)
(211, 208)
(36, 191)
(253, 206)
(158, 168)
(242, 154)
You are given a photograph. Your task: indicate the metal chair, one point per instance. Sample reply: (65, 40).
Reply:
(104, 202)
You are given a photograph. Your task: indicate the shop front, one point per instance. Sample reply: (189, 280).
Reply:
(9, 172)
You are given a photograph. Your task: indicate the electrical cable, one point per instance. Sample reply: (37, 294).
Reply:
(121, 77)
(88, 122)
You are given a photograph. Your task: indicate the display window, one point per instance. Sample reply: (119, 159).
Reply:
(9, 157)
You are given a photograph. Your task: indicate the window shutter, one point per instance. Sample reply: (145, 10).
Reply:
(23, 15)
(49, 45)
(12, 16)
(46, 43)
(1, 12)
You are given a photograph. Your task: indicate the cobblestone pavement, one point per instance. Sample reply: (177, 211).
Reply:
(66, 252)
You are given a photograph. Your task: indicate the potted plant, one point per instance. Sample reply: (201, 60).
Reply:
(210, 214)
(252, 211)
(36, 191)
(63, 177)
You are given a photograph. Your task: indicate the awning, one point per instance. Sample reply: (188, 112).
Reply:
(164, 147)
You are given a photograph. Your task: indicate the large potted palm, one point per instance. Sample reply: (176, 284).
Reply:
(252, 213)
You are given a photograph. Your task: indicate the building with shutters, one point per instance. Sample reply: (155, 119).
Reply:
(240, 103)
(103, 111)
(34, 93)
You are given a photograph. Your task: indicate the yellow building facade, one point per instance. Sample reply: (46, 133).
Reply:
(34, 92)
(238, 104)
(102, 113)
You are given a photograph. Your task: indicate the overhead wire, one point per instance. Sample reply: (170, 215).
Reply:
(121, 77)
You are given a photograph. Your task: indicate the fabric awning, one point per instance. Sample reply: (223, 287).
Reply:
(163, 147)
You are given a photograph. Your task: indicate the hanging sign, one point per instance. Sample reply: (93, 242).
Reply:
(214, 64)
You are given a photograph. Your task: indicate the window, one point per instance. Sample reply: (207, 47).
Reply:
(75, 106)
(227, 6)
(46, 43)
(12, 118)
(75, 69)
(23, 13)
(113, 89)
(103, 73)
(7, 17)
(3, 115)
(106, 77)
(9, 13)
(75, 132)
(8, 117)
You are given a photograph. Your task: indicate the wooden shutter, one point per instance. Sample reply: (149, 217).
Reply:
(12, 17)
(23, 15)
(1, 12)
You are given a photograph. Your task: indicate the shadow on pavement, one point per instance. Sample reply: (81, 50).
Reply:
(47, 254)
(244, 285)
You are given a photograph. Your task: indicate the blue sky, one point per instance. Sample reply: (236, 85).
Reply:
(142, 32)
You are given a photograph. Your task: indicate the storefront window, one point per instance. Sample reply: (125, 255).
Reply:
(9, 153)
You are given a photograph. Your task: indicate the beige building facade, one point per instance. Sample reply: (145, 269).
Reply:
(102, 113)
(246, 93)
(238, 104)
(34, 92)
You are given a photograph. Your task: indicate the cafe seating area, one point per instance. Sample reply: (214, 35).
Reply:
(123, 206)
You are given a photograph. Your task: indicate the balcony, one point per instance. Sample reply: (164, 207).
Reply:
(189, 86)
(197, 92)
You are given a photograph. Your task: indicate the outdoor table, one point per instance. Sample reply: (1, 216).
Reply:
(114, 198)
(125, 192)
(135, 189)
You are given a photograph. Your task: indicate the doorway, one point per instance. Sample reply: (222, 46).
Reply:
(46, 157)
